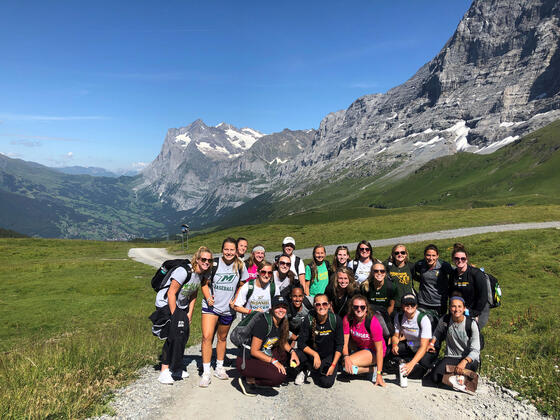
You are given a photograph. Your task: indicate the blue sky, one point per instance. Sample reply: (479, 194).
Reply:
(98, 83)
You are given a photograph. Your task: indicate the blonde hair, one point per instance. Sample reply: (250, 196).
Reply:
(197, 255)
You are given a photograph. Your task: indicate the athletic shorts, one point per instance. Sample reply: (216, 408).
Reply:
(222, 319)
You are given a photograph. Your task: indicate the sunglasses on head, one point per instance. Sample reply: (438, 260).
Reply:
(359, 307)
(266, 273)
(399, 253)
(323, 304)
(460, 259)
(284, 263)
(364, 249)
(379, 271)
(205, 260)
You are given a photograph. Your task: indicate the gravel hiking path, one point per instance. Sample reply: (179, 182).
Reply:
(146, 398)
(155, 256)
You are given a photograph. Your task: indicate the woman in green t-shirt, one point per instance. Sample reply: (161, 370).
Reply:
(317, 273)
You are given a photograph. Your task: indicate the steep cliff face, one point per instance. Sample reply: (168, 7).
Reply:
(496, 79)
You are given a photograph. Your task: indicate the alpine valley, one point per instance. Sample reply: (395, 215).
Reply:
(495, 81)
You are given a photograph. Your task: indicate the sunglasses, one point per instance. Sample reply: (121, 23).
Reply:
(379, 271)
(205, 260)
(284, 263)
(266, 273)
(364, 249)
(323, 304)
(463, 259)
(359, 307)
(399, 253)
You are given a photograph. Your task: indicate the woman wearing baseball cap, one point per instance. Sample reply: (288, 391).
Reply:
(264, 364)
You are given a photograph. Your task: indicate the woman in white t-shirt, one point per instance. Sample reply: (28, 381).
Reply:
(180, 297)
(217, 312)
(363, 260)
(413, 331)
(256, 295)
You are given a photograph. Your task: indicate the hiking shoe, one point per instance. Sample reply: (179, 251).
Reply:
(205, 381)
(300, 378)
(221, 373)
(246, 388)
(165, 377)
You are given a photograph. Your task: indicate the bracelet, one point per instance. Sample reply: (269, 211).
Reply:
(274, 361)
(333, 364)
(379, 372)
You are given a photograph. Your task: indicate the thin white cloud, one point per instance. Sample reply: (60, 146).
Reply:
(46, 138)
(26, 143)
(139, 165)
(69, 155)
(28, 117)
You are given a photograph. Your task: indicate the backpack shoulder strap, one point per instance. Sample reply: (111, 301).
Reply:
(215, 263)
(368, 324)
(332, 320)
(296, 262)
(355, 266)
(328, 265)
(268, 318)
(251, 288)
(468, 326)
(272, 288)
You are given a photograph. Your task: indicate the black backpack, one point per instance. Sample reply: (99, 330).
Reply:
(494, 289)
(468, 328)
(161, 277)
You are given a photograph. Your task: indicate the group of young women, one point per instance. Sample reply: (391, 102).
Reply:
(360, 316)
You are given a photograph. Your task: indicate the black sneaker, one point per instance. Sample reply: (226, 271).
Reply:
(247, 388)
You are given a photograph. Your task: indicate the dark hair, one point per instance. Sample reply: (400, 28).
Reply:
(432, 247)
(392, 256)
(283, 329)
(289, 274)
(314, 318)
(459, 247)
(363, 242)
(241, 238)
(313, 264)
(335, 265)
(351, 319)
(236, 260)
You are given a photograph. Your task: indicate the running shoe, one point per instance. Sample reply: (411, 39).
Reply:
(220, 373)
(165, 377)
(183, 374)
(205, 380)
(300, 378)
(246, 388)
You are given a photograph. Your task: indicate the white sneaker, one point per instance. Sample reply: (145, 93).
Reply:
(183, 374)
(300, 378)
(221, 373)
(165, 377)
(205, 380)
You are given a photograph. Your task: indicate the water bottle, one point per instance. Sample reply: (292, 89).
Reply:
(163, 270)
(403, 380)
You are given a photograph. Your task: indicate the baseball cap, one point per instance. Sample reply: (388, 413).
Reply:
(289, 240)
(279, 300)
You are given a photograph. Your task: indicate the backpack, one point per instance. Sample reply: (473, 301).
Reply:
(381, 320)
(296, 262)
(331, 319)
(161, 277)
(241, 334)
(271, 289)
(421, 314)
(494, 289)
(468, 328)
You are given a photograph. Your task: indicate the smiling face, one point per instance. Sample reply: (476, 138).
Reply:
(229, 252)
(399, 255)
(457, 309)
(364, 252)
(431, 257)
(322, 305)
(378, 271)
(409, 309)
(259, 256)
(460, 259)
(359, 307)
(342, 256)
(242, 247)
(265, 274)
(319, 255)
(204, 260)
(288, 249)
(297, 297)
(284, 264)
(279, 312)
(342, 280)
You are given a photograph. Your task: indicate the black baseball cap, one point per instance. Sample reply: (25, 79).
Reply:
(409, 299)
(279, 300)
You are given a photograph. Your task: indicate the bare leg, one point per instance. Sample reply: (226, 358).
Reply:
(364, 360)
(209, 322)
(222, 341)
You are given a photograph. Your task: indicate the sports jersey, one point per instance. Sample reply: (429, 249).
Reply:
(269, 340)
(319, 284)
(412, 331)
(224, 285)
(361, 273)
(259, 299)
(402, 279)
(186, 291)
(360, 335)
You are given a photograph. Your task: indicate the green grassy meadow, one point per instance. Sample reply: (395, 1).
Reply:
(75, 319)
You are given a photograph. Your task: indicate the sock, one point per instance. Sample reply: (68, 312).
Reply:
(219, 364)
(206, 368)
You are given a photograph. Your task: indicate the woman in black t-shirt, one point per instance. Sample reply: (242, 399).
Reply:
(320, 344)
(269, 350)
(340, 290)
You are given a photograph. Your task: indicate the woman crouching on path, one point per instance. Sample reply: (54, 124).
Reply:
(179, 297)
(320, 344)
(463, 349)
(367, 340)
(217, 314)
(264, 365)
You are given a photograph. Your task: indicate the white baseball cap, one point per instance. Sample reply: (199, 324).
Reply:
(289, 240)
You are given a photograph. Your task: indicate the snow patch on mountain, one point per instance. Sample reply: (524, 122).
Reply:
(184, 139)
(243, 139)
(460, 130)
(497, 145)
(206, 148)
